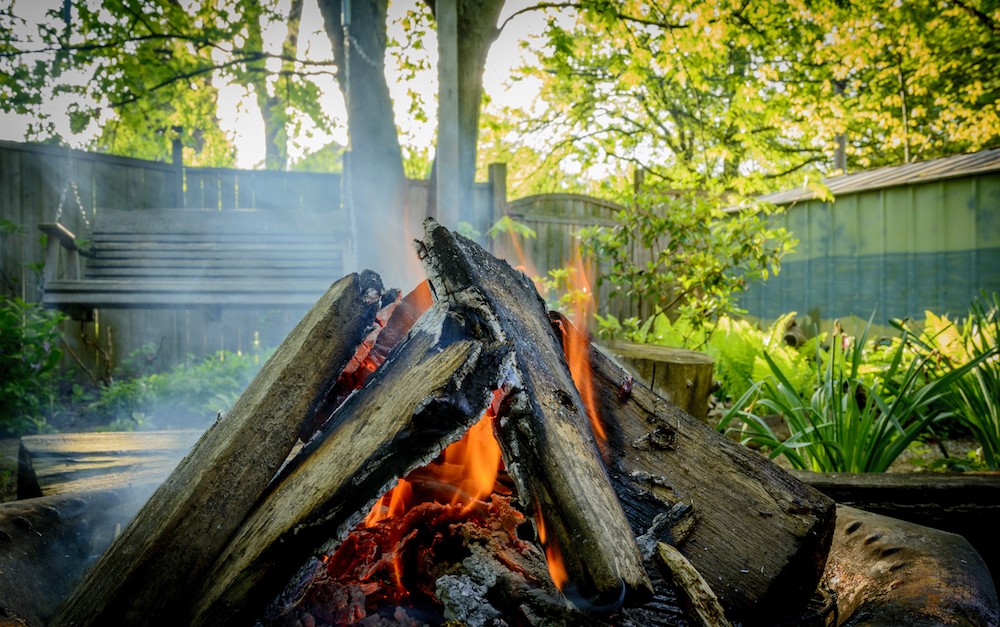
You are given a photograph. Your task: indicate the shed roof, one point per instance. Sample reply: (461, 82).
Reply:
(891, 176)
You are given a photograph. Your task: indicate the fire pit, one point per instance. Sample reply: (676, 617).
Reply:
(568, 515)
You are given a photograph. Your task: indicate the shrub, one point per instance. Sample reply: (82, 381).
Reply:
(975, 397)
(854, 421)
(29, 358)
(685, 257)
(188, 395)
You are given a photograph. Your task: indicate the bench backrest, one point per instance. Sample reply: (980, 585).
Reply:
(229, 245)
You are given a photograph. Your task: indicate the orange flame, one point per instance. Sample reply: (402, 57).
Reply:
(470, 465)
(553, 555)
(576, 343)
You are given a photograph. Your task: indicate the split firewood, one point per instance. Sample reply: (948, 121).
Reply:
(702, 604)
(152, 570)
(543, 430)
(759, 536)
(426, 395)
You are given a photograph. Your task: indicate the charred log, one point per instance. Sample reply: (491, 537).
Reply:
(429, 391)
(759, 536)
(543, 431)
(153, 569)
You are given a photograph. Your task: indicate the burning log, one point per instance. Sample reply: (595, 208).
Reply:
(543, 430)
(759, 536)
(429, 391)
(154, 567)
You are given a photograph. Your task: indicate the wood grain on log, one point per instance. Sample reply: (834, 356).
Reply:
(543, 430)
(430, 390)
(154, 567)
(758, 535)
(682, 377)
(64, 463)
(698, 597)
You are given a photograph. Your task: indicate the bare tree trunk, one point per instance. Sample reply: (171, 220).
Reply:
(477, 30)
(274, 107)
(377, 188)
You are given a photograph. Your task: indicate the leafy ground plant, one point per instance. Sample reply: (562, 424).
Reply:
(29, 357)
(975, 396)
(187, 395)
(850, 424)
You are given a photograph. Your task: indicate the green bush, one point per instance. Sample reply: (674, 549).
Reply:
(188, 395)
(858, 419)
(736, 346)
(686, 257)
(29, 358)
(975, 397)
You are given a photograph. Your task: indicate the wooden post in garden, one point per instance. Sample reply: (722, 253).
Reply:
(177, 160)
(497, 177)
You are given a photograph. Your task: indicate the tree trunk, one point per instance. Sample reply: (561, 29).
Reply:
(477, 30)
(376, 184)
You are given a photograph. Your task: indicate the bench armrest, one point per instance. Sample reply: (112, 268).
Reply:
(60, 233)
(60, 236)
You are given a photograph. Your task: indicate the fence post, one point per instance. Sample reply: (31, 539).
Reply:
(497, 177)
(177, 159)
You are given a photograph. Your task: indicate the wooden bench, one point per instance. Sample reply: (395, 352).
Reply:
(183, 258)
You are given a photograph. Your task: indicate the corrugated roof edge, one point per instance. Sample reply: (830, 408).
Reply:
(895, 175)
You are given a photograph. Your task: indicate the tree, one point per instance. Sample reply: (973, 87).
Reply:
(750, 96)
(141, 70)
(149, 62)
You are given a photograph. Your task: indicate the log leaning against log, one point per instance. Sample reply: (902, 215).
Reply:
(759, 536)
(430, 390)
(155, 565)
(543, 431)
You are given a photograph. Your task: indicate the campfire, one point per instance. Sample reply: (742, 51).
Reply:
(457, 454)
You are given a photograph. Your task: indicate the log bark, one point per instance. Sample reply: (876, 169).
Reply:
(759, 536)
(150, 572)
(682, 377)
(47, 542)
(426, 395)
(65, 463)
(701, 602)
(884, 571)
(547, 444)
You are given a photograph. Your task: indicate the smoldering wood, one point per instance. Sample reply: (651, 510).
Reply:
(430, 390)
(757, 534)
(698, 597)
(543, 432)
(151, 571)
(64, 463)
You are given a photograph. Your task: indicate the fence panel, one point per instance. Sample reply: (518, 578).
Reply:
(32, 178)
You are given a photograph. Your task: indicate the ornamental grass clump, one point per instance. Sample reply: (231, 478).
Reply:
(975, 396)
(854, 421)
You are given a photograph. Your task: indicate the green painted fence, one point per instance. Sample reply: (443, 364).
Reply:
(897, 251)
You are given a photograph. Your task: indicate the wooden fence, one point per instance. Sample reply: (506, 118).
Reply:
(34, 179)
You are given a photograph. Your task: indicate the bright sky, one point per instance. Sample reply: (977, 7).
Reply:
(241, 119)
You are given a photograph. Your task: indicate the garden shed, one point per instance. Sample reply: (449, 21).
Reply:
(897, 240)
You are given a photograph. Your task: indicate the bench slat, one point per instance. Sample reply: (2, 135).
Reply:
(191, 258)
